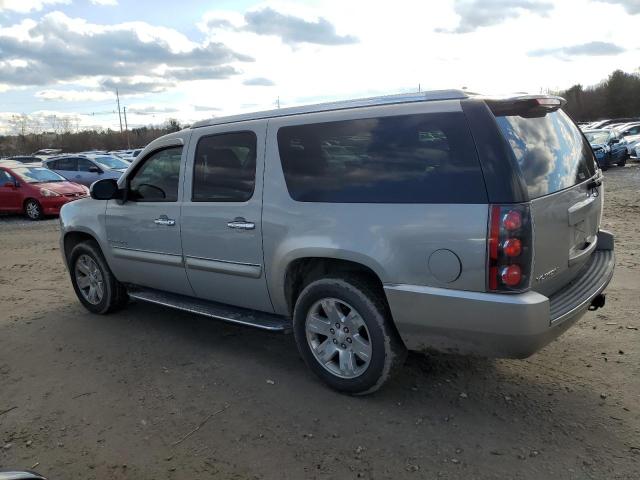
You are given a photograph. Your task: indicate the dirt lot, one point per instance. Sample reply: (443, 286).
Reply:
(152, 393)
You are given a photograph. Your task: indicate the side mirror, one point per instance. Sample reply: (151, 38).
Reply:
(94, 169)
(105, 189)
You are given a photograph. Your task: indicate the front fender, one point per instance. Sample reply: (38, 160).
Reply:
(86, 216)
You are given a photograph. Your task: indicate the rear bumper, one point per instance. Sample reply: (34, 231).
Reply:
(497, 325)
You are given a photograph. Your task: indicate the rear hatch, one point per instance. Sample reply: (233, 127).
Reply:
(564, 186)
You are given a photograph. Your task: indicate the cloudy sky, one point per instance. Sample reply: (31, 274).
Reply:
(193, 59)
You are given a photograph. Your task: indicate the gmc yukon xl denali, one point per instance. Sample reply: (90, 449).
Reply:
(441, 220)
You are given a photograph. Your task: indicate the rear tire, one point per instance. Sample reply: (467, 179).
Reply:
(33, 209)
(345, 335)
(95, 285)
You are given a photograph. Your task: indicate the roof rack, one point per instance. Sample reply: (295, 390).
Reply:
(340, 105)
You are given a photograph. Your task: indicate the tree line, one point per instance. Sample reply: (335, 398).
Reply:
(616, 97)
(31, 137)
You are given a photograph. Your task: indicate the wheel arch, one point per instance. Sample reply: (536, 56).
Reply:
(27, 199)
(73, 238)
(302, 270)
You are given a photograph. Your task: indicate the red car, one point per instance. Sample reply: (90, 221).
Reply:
(35, 191)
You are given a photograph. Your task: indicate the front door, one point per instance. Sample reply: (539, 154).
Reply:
(143, 232)
(221, 215)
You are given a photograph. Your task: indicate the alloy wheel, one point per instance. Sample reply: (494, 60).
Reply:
(338, 338)
(89, 279)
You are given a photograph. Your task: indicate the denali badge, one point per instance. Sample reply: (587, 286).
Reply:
(546, 275)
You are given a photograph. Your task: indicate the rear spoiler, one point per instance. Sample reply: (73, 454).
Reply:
(528, 106)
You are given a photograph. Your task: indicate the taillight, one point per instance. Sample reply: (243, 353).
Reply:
(509, 248)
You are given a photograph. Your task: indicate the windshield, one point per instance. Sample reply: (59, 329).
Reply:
(597, 137)
(109, 162)
(550, 150)
(37, 175)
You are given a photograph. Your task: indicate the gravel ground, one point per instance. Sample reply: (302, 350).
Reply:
(153, 393)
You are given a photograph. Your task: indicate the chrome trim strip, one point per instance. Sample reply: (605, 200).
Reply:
(148, 256)
(222, 266)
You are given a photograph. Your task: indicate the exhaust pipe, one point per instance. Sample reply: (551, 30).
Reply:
(597, 302)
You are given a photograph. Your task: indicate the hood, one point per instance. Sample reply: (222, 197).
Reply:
(61, 187)
(599, 145)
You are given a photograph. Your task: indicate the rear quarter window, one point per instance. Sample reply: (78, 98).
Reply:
(427, 158)
(551, 152)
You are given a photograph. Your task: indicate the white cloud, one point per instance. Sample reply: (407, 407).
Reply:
(397, 48)
(61, 48)
(105, 3)
(73, 95)
(26, 6)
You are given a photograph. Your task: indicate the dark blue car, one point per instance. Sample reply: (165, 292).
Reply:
(608, 147)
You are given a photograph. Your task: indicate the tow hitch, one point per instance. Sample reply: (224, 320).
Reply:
(597, 302)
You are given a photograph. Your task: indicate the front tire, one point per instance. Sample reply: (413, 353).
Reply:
(95, 285)
(344, 333)
(33, 209)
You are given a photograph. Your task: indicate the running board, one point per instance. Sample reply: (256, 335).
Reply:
(219, 311)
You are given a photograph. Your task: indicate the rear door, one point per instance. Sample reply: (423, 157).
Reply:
(67, 167)
(85, 175)
(557, 165)
(222, 215)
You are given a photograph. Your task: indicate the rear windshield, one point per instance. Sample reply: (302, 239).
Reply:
(427, 158)
(550, 150)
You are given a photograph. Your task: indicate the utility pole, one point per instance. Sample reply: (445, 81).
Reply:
(278, 102)
(126, 127)
(119, 114)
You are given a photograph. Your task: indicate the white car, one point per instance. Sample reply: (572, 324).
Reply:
(630, 135)
(638, 151)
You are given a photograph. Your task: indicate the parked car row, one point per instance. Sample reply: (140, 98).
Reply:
(128, 155)
(38, 185)
(613, 141)
(86, 169)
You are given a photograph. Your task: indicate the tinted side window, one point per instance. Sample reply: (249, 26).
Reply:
(84, 165)
(428, 158)
(67, 164)
(225, 168)
(157, 179)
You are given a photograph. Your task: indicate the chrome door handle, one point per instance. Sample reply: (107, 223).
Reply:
(241, 224)
(164, 220)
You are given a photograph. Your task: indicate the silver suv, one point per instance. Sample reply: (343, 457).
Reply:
(438, 220)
